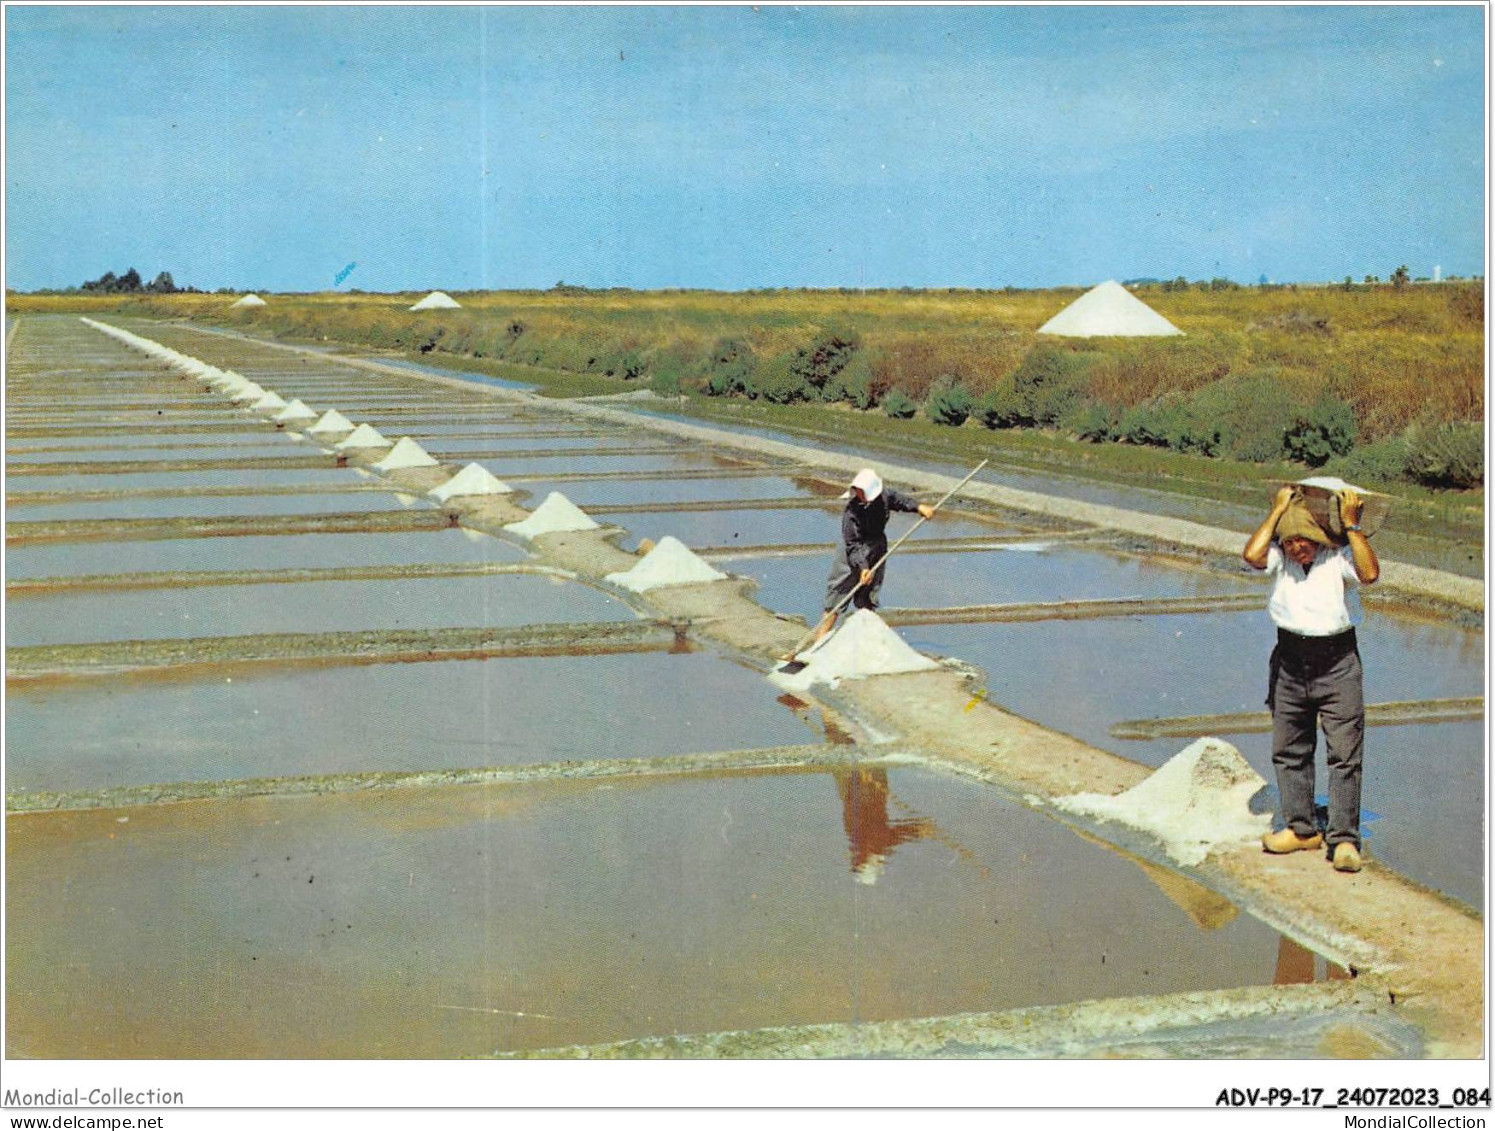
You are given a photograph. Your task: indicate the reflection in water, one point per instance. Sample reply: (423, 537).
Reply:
(864, 812)
(870, 834)
(835, 733)
(1297, 966)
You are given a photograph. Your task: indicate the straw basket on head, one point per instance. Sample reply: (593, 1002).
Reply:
(1320, 495)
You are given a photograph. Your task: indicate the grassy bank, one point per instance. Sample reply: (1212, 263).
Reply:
(1381, 384)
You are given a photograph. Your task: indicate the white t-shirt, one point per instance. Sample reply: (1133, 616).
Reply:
(1318, 601)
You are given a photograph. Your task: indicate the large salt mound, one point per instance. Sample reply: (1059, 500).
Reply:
(250, 300)
(864, 645)
(474, 479)
(405, 453)
(270, 402)
(556, 514)
(1109, 311)
(1196, 802)
(437, 300)
(296, 410)
(671, 562)
(332, 421)
(364, 436)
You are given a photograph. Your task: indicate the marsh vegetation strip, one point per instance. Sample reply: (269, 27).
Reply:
(508, 890)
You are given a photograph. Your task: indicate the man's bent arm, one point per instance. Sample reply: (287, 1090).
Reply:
(1260, 542)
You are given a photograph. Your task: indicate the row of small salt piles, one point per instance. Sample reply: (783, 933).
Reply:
(864, 646)
(404, 453)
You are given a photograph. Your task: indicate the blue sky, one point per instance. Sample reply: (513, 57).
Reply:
(733, 147)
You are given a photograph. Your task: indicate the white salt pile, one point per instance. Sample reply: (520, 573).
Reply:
(332, 421)
(474, 479)
(437, 300)
(248, 392)
(364, 436)
(556, 514)
(863, 646)
(405, 453)
(250, 300)
(296, 410)
(1106, 311)
(1196, 802)
(270, 402)
(671, 562)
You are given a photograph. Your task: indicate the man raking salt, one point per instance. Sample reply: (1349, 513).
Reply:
(856, 574)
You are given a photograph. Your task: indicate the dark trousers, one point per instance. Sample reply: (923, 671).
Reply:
(843, 578)
(1318, 680)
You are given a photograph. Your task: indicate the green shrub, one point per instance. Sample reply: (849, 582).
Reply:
(1187, 430)
(1002, 407)
(1449, 455)
(665, 382)
(627, 364)
(856, 382)
(949, 401)
(667, 368)
(1051, 382)
(899, 405)
(779, 381)
(1252, 413)
(1383, 462)
(1094, 422)
(1327, 429)
(1151, 423)
(826, 357)
(730, 367)
(1170, 422)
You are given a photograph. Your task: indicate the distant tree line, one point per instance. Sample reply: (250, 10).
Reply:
(130, 283)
